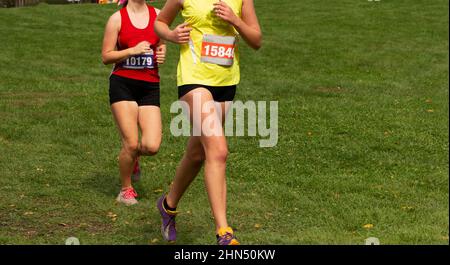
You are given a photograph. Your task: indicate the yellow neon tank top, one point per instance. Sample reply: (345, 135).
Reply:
(201, 18)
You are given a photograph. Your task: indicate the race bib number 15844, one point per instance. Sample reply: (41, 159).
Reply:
(218, 49)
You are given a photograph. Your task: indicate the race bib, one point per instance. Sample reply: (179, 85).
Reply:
(139, 62)
(218, 49)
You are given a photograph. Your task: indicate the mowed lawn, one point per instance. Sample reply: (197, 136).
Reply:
(363, 130)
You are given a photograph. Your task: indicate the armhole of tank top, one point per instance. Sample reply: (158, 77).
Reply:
(125, 18)
(151, 14)
(121, 27)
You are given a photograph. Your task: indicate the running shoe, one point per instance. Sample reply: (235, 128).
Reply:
(127, 196)
(226, 237)
(136, 176)
(168, 230)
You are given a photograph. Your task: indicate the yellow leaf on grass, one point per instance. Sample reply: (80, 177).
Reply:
(155, 240)
(111, 215)
(368, 226)
(258, 226)
(158, 190)
(430, 110)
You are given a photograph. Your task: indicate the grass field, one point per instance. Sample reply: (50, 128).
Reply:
(363, 148)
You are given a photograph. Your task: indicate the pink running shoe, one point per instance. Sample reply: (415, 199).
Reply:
(136, 176)
(127, 196)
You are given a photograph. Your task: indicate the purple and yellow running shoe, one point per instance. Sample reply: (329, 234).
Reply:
(168, 229)
(225, 236)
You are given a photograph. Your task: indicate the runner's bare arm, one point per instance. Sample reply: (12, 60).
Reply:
(165, 18)
(161, 48)
(161, 51)
(247, 26)
(110, 54)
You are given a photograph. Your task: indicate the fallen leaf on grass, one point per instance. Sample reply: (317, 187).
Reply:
(28, 213)
(430, 110)
(158, 190)
(31, 233)
(429, 101)
(112, 215)
(258, 226)
(154, 240)
(368, 226)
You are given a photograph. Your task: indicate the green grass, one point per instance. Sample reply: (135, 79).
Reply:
(363, 96)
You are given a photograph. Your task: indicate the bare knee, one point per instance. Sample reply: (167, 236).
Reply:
(131, 147)
(218, 154)
(149, 148)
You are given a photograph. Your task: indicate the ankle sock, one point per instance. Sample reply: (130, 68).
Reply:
(166, 206)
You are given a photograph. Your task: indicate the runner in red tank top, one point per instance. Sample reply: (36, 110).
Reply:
(143, 66)
(131, 44)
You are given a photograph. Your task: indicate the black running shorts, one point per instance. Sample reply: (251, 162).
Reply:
(126, 89)
(219, 93)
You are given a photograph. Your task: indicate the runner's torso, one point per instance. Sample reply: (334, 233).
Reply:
(140, 67)
(212, 56)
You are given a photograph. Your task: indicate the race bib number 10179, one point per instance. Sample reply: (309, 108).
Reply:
(142, 61)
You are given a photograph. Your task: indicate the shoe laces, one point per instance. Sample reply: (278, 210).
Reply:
(129, 193)
(228, 236)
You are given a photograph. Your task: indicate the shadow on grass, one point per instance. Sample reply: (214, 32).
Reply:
(102, 183)
(187, 234)
(109, 185)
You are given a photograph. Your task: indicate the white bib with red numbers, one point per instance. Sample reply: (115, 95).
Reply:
(218, 49)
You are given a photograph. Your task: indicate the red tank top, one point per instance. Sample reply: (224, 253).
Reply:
(141, 67)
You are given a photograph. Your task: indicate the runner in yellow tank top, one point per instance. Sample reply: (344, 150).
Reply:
(208, 71)
(198, 14)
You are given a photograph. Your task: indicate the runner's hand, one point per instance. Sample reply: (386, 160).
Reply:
(141, 48)
(181, 34)
(222, 10)
(161, 54)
